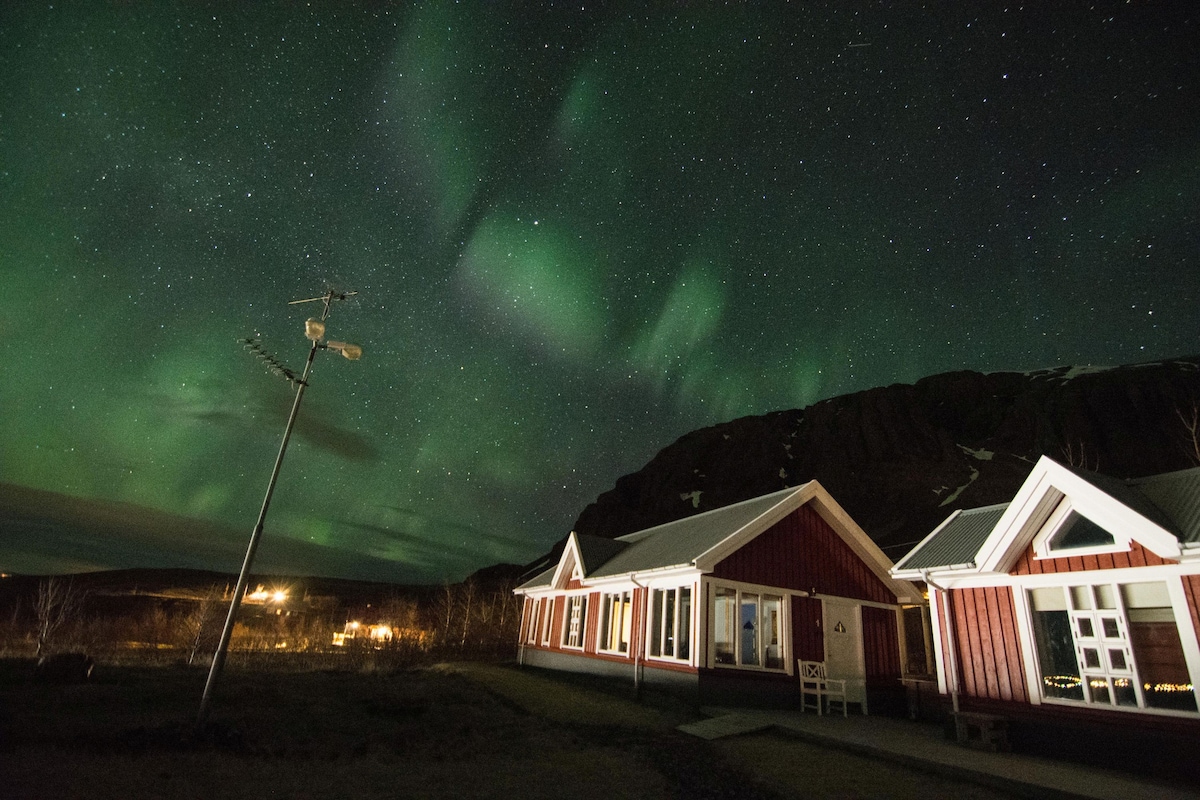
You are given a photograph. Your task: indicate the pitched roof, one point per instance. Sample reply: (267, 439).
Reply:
(680, 543)
(1170, 501)
(540, 581)
(1177, 494)
(956, 541)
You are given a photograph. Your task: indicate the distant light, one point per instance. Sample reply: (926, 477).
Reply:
(279, 596)
(314, 330)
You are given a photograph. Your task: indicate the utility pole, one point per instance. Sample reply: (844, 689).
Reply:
(314, 330)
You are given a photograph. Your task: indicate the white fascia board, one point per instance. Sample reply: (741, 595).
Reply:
(1033, 580)
(709, 559)
(863, 546)
(1043, 490)
(570, 555)
(674, 576)
(1029, 503)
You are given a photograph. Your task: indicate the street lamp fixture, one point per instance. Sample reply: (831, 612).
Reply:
(314, 331)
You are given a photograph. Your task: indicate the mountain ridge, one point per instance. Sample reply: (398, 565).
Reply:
(901, 458)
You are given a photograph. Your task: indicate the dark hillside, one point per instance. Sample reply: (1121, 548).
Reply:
(902, 457)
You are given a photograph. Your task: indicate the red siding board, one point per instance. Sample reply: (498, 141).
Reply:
(881, 645)
(808, 639)
(1011, 644)
(1137, 556)
(989, 654)
(1191, 587)
(803, 553)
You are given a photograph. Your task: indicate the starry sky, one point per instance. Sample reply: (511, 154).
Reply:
(576, 232)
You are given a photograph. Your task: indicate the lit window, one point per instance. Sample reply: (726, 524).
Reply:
(616, 623)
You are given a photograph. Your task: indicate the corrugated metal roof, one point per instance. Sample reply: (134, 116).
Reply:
(541, 580)
(957, 542)
(1126, 493)
(1177, 494)
(679, 543)
(596, 550)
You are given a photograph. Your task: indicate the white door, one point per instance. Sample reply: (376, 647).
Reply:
(844, 647)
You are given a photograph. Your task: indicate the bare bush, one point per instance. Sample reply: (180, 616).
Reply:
(57, 605)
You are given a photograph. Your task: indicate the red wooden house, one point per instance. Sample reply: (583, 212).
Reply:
(725, 602)
(1076, 603)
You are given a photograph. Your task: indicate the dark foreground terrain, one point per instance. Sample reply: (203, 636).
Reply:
(451, 731)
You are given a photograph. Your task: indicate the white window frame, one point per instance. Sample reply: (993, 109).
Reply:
(1026, 614)
(616, 608)
(678, 619)
(574, 630)
(547, 620)
(1063, 516)
(531, 633)
(784, 626)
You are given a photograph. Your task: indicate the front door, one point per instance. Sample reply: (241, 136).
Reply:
(844, 647)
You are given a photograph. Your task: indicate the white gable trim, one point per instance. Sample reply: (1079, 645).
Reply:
(569, 564)
(1045, 488)
(842, 524)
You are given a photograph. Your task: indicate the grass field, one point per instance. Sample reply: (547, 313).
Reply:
(450, 731)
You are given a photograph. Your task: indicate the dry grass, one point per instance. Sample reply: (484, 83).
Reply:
(468, 730)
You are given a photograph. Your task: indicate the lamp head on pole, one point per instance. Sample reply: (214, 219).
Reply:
(314, 330)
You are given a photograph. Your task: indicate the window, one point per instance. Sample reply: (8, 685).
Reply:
(1111, 645)
(1079, 532)
(747, 629)
(576, 621)
(616, 622)
(547, 619)
(535, 605)
(671, 623)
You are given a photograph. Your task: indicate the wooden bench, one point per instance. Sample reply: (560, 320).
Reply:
(985, 731)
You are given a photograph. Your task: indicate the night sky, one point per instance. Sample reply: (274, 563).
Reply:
(575, 235)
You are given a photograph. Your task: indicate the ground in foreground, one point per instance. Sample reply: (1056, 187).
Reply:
(452, 731)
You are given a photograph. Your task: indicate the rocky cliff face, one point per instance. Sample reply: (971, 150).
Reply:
(901, 458)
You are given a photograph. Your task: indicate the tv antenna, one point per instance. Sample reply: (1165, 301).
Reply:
(314, 331)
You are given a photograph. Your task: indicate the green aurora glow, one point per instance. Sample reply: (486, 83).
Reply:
(576, 235)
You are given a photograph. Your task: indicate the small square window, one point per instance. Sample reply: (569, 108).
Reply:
(1091, 658)
(1111, 629)
(1086, 631)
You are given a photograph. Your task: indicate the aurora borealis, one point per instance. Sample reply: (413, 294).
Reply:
(575, 234)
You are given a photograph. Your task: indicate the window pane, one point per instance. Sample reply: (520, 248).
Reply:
(1081, 598)
(606, 622)
(656, 624)
(773, 650)
(1056, 655)
(1098, 689)
(1124, 693)
(1105, 598)
(626, 622)
(750, 638)
(668, 644)
(1111, 629)
(725, 626)
(1116, 660)
(1158, 653)
(1086, 631)
(1081, 532)
(685, 623)
(1091, 658)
